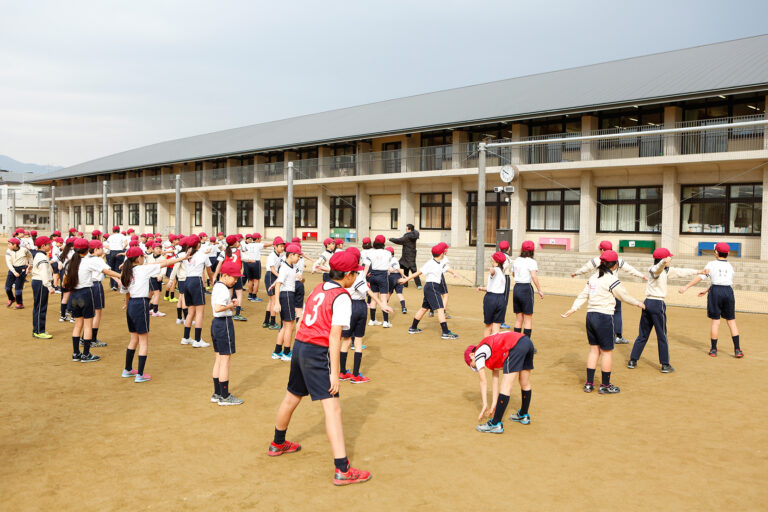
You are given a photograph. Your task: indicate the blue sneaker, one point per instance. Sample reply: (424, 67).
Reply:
(352, 347)
(142, 378)
(525, 419)
(132, 373)
(490, 428)
(258, 300)
(506, 326)
(286, 357)
(275, 355)
(418, 287)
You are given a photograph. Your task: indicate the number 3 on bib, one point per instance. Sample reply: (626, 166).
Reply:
(312, 317)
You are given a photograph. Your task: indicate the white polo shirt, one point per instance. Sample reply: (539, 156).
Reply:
(522, 267)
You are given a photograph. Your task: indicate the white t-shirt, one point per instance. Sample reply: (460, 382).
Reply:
(379, 259)
(197, 263)
(222, 296)
(359, 289)
(342, 307)
(522, 267)
(496, 281)
(720, 272)
(55, 252)
(432, 271)
(116, 242)
(100, 276)
(299, 267)
(365, 256)
(139, 287)
(287, 277)
(274, 260)
(252, 251)
(394, 265)
(481, 355)
(445, 264)
(90, 268)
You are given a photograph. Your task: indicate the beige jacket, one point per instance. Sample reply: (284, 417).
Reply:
(602, 293)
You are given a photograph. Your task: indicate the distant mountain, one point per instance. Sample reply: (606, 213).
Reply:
(9, 164)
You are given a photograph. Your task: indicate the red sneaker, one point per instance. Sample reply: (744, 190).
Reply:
(738, 354)
(10, 303)
(279, 449)
(18, 306)
(359, 379)
(352, 476)
(345, 375)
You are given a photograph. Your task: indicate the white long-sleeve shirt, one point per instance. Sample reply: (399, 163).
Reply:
(41, 269)
(602, 293)
(656, 288)
(591, 266)
(18, 258)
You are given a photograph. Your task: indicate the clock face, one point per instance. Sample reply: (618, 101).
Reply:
(507, 173)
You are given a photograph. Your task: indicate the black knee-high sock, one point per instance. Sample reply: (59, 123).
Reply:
(736, 342)
(178, 313)
(444, 327)
(713, 342)
(418, 281)
(172, 294)
(590, 375)
(75, 344)
(95, 332)
(386, 316)
(286, 350)
(501, 406)
(216, 387)
(186, 332)
(166, 293)
(266, 317)
(278, 348)
(224, 387)
(402, 304)
(358, 360)
(63, 309)
(517, 329)
(237, 310)
(185, 311)
(606, 378)
(343, 362)
(272, 318)
(279, 436)
(415, 324)
(198, 333)
(155, 307)
(142, 363)
(527, 332)
(373, 314)
(129, 359)
(86, 347)
(526, 402)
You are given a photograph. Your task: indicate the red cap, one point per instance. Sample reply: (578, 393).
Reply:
(201, 235)
(122, 233)
(158, 234)
(14, 241)
(171, 237)
(296, 240)
(499, 257)
(606, 245)
(57, 233)
(391, 249)
(239, 236)
(72, 230)
(345, 261)
(133, 252)
(18, 230)
(661, 253)
(149, 245)
(339, 241)
(256, 236)
(192, 240)
(380, 239)
(722, 247)
(609, 256)
(27, 232)
(328, 241)
(42, 240)
(59, 240)
(231, 268)
(80, 244)
(231, 239)
(133, 243)
(94, 244)
(70, 240)
(367, 240)
(278, 241)
(438, 249)
(504, 245)
(467, 355)
(248, 235)
(293, 248)
(528, 246)
(219, 234)
(79, 233)
(355, 251)
(33, 233)
(131, 230)
(115, 228)
(96, 232)
(134, 237)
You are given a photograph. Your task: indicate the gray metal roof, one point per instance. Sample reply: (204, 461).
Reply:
(716, 67)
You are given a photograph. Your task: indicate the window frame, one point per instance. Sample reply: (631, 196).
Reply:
(636, 201)
(244, 213)
(444, 204)
(197, 213)
(117, 214)
(270, 205)
(150, 214)
(304, 204)
(343, 203)
(89, 215)
(133, 209)
(562, 203)
(728, 200)
(393, 218)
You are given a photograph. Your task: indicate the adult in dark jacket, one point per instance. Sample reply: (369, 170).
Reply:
(408, 258)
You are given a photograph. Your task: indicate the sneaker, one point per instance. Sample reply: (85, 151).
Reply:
(285, 447)
(18, 306)
(667, 368)
(240, 318)
(142, 378)
(418, 287)
(352, 348)
(98, 343)
(159, 314)
(506, 326)
(62, 319)
(431, 314)
(411, 330)
(258, 300)
(42, 335)
(621, 340)
(610, 389)
(164, 298)
(89, 358)
(374, 322)
(713, 352)
(70, 319)
(447, 316)
(276, 355)
(274, 327)
(490, 428)
(449, 336)
(588, 387)
(179, 321)
(265, 325)
(76, 357)
(524, 419)
(405, 311)
(632, 364)
(351, 476)
(215, 398)
(230, 400)
(173, 300)
(187, 341)
(10, 303)
(345, 375)
(359, 379)
(57, 292)
(386, 325)
(738, 354)
(132, 373)
(200, 344)
(286, 357)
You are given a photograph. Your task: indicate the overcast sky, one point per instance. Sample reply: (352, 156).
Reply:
(84, 79)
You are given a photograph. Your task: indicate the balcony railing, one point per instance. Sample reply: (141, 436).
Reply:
(530, 150)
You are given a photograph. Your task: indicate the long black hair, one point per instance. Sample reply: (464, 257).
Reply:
(605, 266)
(193, 249)
(71, 277)
(126, 274)
(228, 251)
(367, 245)
(526, 254)
(378, 245)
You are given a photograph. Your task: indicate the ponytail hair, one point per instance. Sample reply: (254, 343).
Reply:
(193, 250)
(71, 278)
(228, 251)
(126, 274)
(605, 266)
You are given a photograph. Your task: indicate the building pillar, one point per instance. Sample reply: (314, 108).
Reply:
(142, 215)
(207, 214)
(765, 131)
(323, 162)
(125, 224)
(459, 149)
(258, 167)
(231, 164)
(258, 212)
(458, 214)
(410, 157)
(672, 116)
(70, 217)
(186, 216)
(670, 210)
(589, 150)
(163, 215)
(363, 212)
(323, 214)
(230, 218)
(764, 230)
(587, 213)
(518, 153)
(363, 160)
(407, 205)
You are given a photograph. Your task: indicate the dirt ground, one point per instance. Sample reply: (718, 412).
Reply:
(78, 437)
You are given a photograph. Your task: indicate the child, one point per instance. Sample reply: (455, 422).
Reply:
(395, 273)
(433, 272)
(194, 291)
(378, 278)
(524, 270)
(156, 283)
(602, 290)
(443, 285)
(19, 262)
(42, 284)
(285, 289)
(64, 258)
(274, 261)
(592, 265)
(96, 250)
(232, 253)
(135, 277)
(511, 352)
(655, 313)
(321, 263)
(493, 302)
(720, 299)
(170, 250)
(252, 264)
(504, 249)
(223, 332)
(179, 276)
(53, 257)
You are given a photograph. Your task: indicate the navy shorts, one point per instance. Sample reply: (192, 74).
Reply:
(214, 261)
(443, 285)
(55, 267)
(721, 303)
(168, 271)
(494, 307)
(182, 285)
(600, 330)
(238, 284)
(194, 291)
(137, 315)
(520, 357)
(81, 302)
(394, 286)
(287, 306)
(252, 269)
(433, 298)
(310, 371)
(522, 298)
(299, 295)
(357, 321)
(378, 281)
(223, 335)
(326, 277)
(98, 295)
(269, 278)
(154, 285)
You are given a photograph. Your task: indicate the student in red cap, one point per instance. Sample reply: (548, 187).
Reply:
(42, 284)
(197, 264)
(96, 250)
(315, 365)
(18, 259)
(321, 263)
(524, 270)
(378, 261)
(117, 243)
(285, 290)
(512, 354)
(395, 273)
(64, 259)
(339, 244)
(591, 267)
(504, 249)
(443, 285)
(251, 252)
(721, 302)
(155, 256)
(274, 261)
(654, 316)
(433, 300)
(232, 253)
(179, 277)
(223, 332)
(493, 302)
(602, 290)
(56, 247)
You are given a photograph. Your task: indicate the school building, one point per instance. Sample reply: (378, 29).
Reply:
(374, 168)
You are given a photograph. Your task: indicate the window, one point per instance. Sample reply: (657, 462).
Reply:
(731, 209)
(89, 215)
(150, 214)
(343, 212)
(435, 211)
(306, 212)
(117, 214)
(219, 212)
(198, 209)
(553, 210)
(496, 216)
(101, 215)
(40, 220)
(629, 210)
(273, 213)
(244, 213)
(77, 211)
(30, 219)
(133, 214)
(393, 218)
